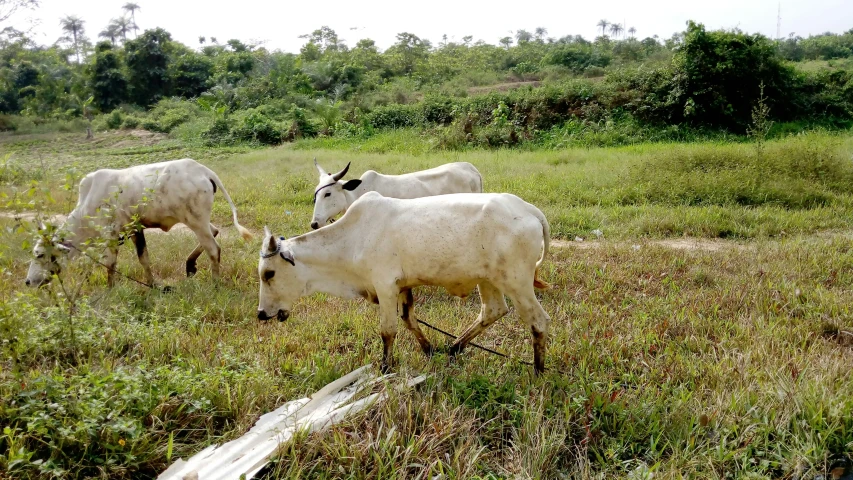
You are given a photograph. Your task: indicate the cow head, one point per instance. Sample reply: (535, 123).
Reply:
(280, 278)
(45, 262)
(330, 198)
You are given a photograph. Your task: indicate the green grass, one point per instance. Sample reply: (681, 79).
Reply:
(731, 363)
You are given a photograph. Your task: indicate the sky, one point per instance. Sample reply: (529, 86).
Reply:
(277, 24)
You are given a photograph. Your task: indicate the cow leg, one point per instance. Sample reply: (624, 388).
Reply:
(110, 261)
(493, 308)
(191, 260)
(142, 253)
(406, 307)
(388, 329)
(537, 320)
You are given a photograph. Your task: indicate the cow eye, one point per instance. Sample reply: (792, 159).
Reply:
(40, 255)
(268, 275)
(327, 194)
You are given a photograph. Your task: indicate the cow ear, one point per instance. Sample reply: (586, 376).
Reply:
(352, 185)
(288, 257)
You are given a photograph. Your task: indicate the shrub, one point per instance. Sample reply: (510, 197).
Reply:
(130, 122)
(396, 116)
(169, 113)
(255, 126)
(300, 126)
(7, 123)
(114, 120)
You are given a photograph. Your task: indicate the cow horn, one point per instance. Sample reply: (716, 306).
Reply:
(341, 174)
(319, 168)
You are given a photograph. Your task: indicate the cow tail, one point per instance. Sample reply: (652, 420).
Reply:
(244, 232)
(546, 240)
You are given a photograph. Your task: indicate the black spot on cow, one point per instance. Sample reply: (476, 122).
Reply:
(214, 185)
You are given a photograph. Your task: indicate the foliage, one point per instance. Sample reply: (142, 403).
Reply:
(109, 87)
(147, 60)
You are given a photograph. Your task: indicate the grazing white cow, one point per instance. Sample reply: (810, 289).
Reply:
(332, 196)
(383, 247)
(158, 195)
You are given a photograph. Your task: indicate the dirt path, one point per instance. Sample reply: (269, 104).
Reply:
(694, 244)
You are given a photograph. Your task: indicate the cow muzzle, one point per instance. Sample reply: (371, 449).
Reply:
(280, 316)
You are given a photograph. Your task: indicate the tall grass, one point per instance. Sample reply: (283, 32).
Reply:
(700, 364)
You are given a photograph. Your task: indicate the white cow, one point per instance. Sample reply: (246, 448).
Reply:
(159, 195)
(332, 196)
(383, 247)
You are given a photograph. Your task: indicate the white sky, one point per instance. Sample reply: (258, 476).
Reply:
(279, 23)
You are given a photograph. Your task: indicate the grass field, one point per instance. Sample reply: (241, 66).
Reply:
(728, 359)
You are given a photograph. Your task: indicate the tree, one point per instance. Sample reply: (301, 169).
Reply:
(202, 40)
(616, 29)
(131, 8)
(147, 64)
(603, 24)
(506, 42)
(409, 52)
(325, 38)
(632, 31)
(719, 75)
(73, 26)
(109, 87)
(9, 7)
(191, 74)
(523, 36)
(540, 33)
(123, 25)
(110, 33)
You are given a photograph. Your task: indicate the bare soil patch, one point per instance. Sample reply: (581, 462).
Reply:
(692, 244)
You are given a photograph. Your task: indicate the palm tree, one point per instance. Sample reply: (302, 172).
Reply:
(131, 8)
(523, 36)
(540, 33)
(615, 29)
(602, 24)
(111, 32)
(506, 42)
(73, 26)
(124, 25)
(632, 31)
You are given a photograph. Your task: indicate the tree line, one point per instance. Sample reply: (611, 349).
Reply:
(695, 77)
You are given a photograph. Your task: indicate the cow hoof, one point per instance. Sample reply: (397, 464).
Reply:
(429, 351)
(191, 269)
(165, 288)
(454, 350)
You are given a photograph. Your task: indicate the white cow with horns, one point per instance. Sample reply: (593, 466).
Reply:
(383, 247)
(157, 195)
(332, 196)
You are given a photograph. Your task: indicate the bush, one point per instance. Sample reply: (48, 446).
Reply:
(169, 113)
(130, 122)
(255, 126)
(396, 116)
(300, 126)
(114, 120)
(8, 123)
